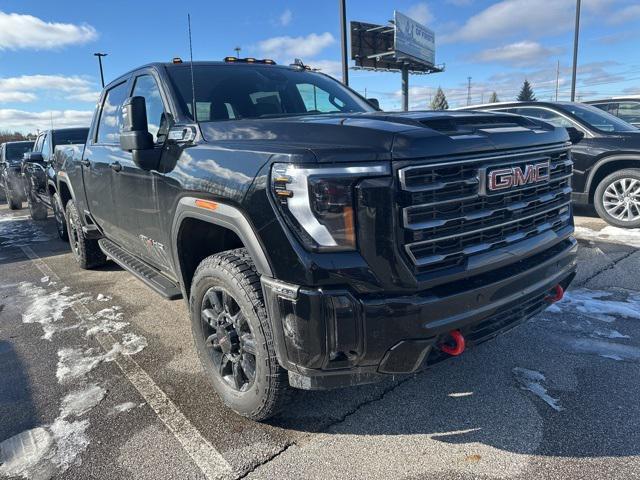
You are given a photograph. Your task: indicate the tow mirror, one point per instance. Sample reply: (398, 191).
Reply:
(135, 129)
(575, 135)
(33, 157)
(374, 103)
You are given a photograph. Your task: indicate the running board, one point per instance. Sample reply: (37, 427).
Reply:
(147, 274)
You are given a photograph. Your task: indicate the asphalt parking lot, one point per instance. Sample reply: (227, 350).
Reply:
(99, 380)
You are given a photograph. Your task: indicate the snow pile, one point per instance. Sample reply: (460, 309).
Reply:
(627, 236)
(531, 381)
(81, 401)
(19, 231)
(598, 305)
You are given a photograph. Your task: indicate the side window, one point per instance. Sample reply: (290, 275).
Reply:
(546, 115)
(147, 87)
(38, 146)
(317, 100)
(110, 124)
(46, 147)
(629, 112)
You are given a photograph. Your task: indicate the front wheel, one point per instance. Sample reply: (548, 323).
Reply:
(617, 198)
(233, 336)
(58, 213)
(37, 209)
(85, 251)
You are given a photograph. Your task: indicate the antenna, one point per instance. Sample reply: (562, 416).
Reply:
(193, 84)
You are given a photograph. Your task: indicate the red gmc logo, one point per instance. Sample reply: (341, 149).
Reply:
(511, 177)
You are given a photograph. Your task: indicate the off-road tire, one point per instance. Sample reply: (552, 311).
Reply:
(85, 251)
(598, 197)
(12, 202)
(235, 272)
(58, 214)
(37, 209)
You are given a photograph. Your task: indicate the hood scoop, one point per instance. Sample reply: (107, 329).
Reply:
(475, 124)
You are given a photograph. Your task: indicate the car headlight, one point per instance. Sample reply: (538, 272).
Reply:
(318, 202)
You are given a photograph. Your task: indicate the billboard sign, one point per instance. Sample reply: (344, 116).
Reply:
(414, 40)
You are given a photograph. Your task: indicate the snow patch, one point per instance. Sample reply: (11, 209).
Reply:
(20, 230)
(103, 298)
(107, 320)
(531, 381)
(627, 236)
(125, 407)
(81, 401)
(602, 348)
(598, 305)
(44, 279)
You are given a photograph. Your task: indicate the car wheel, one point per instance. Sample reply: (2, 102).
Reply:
(617, 198)
(14, 203)
(37, 209)
(234, 338)
(85, 251)
(58, 214)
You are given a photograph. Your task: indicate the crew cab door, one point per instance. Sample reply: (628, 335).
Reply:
(101, 154)
(135, 190)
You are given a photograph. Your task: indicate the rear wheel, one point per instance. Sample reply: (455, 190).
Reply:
(617, 198)
(37, 209)
(14, 203)
(85, 251)
(233, 336)
(58, 214)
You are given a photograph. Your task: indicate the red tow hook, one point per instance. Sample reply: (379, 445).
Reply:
(558, 293)
(458, 344)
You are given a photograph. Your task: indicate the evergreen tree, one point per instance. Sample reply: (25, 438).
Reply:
(526, 93)
(439, 102)
(494, 98)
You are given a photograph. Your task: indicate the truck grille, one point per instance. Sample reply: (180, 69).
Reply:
(446, 219)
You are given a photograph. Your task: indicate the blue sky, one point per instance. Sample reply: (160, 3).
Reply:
(48, 71)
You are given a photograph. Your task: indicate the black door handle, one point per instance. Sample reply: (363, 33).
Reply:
(115, 166)
(85, 162)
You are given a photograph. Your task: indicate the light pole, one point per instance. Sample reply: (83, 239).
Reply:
(100, 55)
(575, 52)
(237, 49)
(343, 37)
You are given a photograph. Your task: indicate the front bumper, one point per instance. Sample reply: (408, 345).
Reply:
(330, 338)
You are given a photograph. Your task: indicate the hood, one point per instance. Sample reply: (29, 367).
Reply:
(383, 136)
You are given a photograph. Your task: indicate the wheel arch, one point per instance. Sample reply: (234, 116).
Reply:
(198, 232)
(65, 190)
(607, 166)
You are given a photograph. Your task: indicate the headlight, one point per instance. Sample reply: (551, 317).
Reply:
(318, 202)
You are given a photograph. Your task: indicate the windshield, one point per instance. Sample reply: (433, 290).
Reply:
(228, 92)
(16, 150)
(597, 119)
(69, 137)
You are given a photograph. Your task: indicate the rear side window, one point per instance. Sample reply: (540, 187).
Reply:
(70, 137)
(629, 112)
(110, 124)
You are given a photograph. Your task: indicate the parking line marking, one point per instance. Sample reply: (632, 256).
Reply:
(212, 464)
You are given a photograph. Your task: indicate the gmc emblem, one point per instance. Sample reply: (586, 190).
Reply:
(512, 177)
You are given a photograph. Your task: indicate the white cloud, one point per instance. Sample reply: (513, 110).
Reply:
(626, 14)
(532, 17)
(19, 31)
(517, 54)
(330, 67)
(24, 121)
(420, 12)
(285, 18)
(460, 3)
(288, 48)
(16, 97)
(85, 96)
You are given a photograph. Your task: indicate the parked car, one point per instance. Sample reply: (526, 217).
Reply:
(40, 169)
(606, 153)
(10, 178)
(625, 108)
(318, 242)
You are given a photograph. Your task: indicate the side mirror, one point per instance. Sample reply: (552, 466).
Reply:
(33, 157)
(575, 135)
(374, 103)
(135, 130)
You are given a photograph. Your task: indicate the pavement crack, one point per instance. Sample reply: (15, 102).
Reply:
(265, 461)
(606, 268)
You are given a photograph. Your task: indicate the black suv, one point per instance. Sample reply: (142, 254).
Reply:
(319, 242)
(10, 172)
(40, 168)
(625, 108)
(606, 152)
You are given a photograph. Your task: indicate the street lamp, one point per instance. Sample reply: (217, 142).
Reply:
(575, 52)
(100, 55)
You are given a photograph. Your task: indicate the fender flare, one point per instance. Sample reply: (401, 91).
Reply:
(603, 161)
(61, 178)
(225, 216)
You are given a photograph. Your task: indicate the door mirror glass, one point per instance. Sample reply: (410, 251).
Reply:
(575, 135)
(135, 129)
(374, 103)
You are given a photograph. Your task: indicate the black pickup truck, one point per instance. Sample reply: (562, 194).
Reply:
(10, 172)
(319, 242)
(40, 168)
